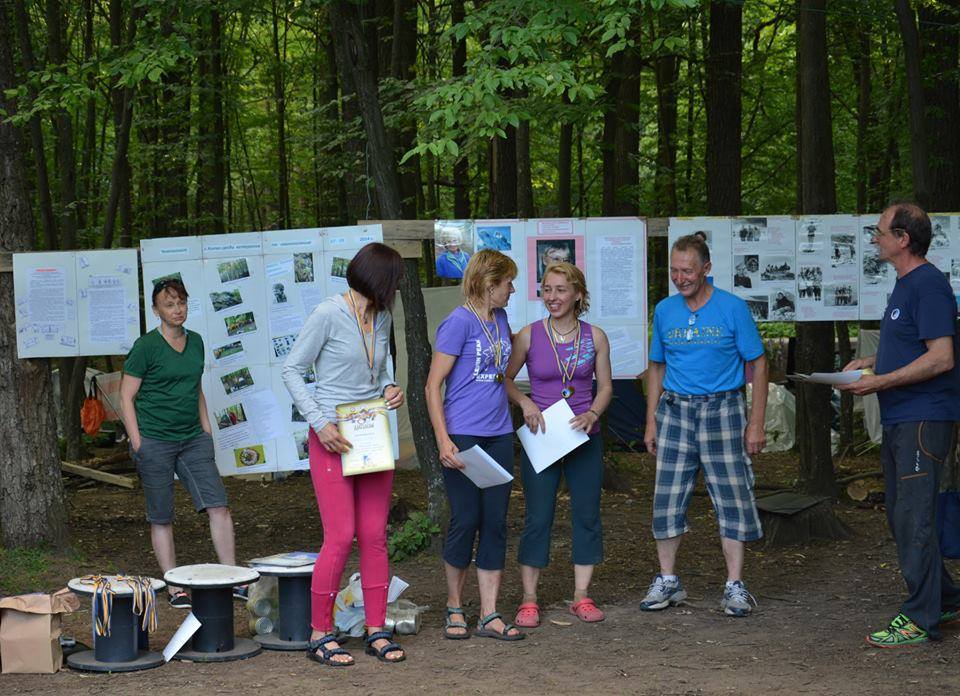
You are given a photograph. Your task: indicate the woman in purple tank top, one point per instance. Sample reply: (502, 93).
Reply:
(563, 356)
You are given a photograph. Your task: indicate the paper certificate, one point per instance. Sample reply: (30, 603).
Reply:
(364, 425)
(482, 469)
(559, 439)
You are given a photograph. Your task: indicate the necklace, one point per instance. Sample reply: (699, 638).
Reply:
(563, 334)
(495, 346)
(371, 350)
(568, 367)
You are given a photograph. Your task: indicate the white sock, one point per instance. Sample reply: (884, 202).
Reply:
(669, 578)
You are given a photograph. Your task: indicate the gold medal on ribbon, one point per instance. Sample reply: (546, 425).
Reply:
(371, 350)
(568, 367)
(495, 346)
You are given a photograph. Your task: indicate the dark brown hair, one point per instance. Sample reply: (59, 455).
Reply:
(696, 241)
(375, 273)
(168, 284)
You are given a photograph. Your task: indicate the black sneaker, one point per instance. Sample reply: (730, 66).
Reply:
(241, 593)
(180, 600)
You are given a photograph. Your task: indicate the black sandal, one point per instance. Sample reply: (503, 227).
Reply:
(381, 654)
(484, 632)
(455, 624)
(326, 654)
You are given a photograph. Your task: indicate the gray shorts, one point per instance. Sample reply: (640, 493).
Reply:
(192, 460)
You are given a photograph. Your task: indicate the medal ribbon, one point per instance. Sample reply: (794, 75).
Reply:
(370, 351)
(496, 347)
(566, 370)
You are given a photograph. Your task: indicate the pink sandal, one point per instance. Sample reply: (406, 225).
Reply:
(586, 610)
(528, 615)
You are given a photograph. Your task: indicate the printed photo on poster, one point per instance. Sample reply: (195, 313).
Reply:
(225, 351)
(251, 455)
(279, 293)
(303, 267)
(453, 241)
(810, 284)
(295, 415)
(759, 306)
(940, 238)
(783, 306)
(240, 324)
(746, 271)
(496, 237)
(237, 380)
(235, 269)
(282, 345)
(300, 444)
(840, 294)
(750, 230)
(338, 267)
(230, 416)
(543, 251)
(844, 249)
(777, 268)
(170, 276)
(225, 299)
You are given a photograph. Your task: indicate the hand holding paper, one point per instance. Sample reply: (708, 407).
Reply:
(544, 451)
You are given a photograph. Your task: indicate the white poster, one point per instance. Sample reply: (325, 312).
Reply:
(509, 238)
(108, 301)
(294, 284)
(235, 307)
(764, 266)
(718, 234)
(174, 258)
(245, 417)
(45, 292)
(828, 267)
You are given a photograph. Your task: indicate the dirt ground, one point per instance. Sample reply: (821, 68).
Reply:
(816, 604)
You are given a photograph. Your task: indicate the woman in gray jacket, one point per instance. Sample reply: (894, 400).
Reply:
(346, 341)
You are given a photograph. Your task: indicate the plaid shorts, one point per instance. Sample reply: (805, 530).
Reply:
(704, 431)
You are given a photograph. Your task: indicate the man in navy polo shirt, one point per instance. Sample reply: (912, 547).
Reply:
(918, 384)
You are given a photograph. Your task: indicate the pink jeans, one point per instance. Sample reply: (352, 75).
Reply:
(349, 506)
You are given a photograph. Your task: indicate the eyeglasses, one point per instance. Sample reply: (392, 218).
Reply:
(876, 232)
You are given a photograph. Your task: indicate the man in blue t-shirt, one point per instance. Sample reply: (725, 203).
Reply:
(696, 419)
(918, 385)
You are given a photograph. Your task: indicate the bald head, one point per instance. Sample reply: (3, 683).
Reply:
(910, 219)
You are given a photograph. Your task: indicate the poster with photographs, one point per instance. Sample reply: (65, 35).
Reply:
(944, 250)
(828, 267)
(765, 266)
(292, 444)
(294, 286)
(340, 245)
(235, 309)
(717, 231)
(246, 418)
(550, 241)
(453, 246)
(174, 258)
(509, 238)
(877, 277)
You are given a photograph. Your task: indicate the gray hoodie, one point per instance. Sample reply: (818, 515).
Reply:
(330, 343)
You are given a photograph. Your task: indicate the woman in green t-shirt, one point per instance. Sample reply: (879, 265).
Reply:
(166, 419)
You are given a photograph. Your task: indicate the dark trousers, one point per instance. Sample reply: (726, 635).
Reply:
(478, 511)
(912, 454)
(583, 471)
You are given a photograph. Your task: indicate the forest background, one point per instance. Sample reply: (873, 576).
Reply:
(125, 119)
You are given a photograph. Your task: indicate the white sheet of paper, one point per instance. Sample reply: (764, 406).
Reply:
(546, 447)
(180, 638)
(396, 588)
(833, 378)
(268, 424)
(482, 469)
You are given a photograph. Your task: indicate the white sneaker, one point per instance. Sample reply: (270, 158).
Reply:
(662, 594)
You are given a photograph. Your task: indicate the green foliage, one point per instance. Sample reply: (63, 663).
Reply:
(411, 538)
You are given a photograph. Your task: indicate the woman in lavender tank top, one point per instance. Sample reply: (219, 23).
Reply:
(563, 356)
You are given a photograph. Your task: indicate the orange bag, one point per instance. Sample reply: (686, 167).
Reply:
(92, 413)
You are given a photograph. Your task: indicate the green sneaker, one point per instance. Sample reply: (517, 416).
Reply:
(901, 631)
(949, 617)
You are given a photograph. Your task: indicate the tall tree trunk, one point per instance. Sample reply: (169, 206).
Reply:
(565, 166)
(524, 175)
(280, 100)
(403, 60)
(939, 56)
(862, 76)
(33, 507)
(919, 157)
(47, 216)
(503, 169)
(352, 55)
(815, 345)
(86, 185)
(724, 108)
(621, 135)
(461, 168)
(667, 71)
(174, 136)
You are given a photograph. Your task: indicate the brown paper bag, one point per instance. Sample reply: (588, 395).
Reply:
(30, 631)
